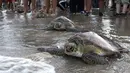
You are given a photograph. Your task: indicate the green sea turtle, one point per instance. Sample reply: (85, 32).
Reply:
(91, 47)
(20, 8)
(40, 14)
(62, 23)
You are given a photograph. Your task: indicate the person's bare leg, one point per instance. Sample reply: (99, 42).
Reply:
(124, 8)
(101, 7)
(47, 4)
(43, 8)
(88, 5)
(25, 3)
(54, 5)
(85, 3)
(9, 6)
(13, 2)
(33, 8)
(101, 4)
(33, 5)
(128, 10)
(118, 8)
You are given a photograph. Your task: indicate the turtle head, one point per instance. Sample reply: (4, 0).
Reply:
(72, 49)
(59, 26)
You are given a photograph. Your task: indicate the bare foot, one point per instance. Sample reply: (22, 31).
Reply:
(33, 15)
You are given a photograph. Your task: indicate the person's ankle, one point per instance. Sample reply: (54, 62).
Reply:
(117, 14)
(87, 13)
(124, 13)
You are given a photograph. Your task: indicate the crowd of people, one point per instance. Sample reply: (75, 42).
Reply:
(75, 6)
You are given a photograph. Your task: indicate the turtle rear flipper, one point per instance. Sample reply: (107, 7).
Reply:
(92, 58)
(52, 50)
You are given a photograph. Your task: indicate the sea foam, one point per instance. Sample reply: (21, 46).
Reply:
(21, 65)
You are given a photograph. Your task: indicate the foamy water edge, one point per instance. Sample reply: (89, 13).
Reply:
(21, 65)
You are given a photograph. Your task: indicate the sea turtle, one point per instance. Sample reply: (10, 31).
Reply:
(91, 47)
(40, 14)
(62, 23)
(20, 8)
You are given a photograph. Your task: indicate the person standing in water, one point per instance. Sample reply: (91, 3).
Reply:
(118, 7)
(87, 7)
(26, 8)
(101, 7)
(50, 5)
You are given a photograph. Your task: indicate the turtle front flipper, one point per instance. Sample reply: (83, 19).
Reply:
(92, 58)
(52, 50)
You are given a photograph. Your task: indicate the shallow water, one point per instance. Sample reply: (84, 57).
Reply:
(20, 37)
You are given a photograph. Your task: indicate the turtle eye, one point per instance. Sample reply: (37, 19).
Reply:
(57, 25)
(69, 49)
